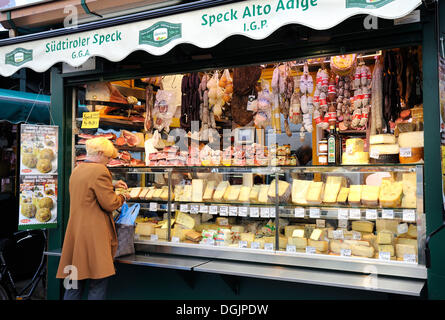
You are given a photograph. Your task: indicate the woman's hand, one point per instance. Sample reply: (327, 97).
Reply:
(120, 184)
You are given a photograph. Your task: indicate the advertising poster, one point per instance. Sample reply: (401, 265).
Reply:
(38, 176)
(442, 119)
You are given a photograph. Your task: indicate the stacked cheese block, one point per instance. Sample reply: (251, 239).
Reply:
(383, 148)
(355, 152)
(150, 193)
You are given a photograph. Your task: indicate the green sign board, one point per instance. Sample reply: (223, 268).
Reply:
(18, 57)
(160, 34)
(368, 4)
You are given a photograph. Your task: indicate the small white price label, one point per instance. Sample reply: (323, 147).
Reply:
(374, 154)
(242, 244)
(299, 212)
(154, 237)
(290, 248)
(268, 246)
(242, 211)
(213, 210)
(254, 212)
(402, 228)
(153, 206)
(321, 223)
(255, 245)
(338, 234)
(405, 152)
(349, 149)
(223, 211)
(310, 250)
(409, 215)
(385, 256)
(355, 214)
(345, 252)
(194, 209)
(264, 213)
(184, 208)
(272, 212)
(314, 213)
(175, 239)
(233, 211)
(387, 214)
(342, 223)
(203, 209)
(356, 235)
(371, 214)
(209, 242)
(343, 214)
(411, 258)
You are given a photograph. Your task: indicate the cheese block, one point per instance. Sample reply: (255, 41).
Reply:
(179, 232)
(187, 193)
(387, 248)
(145, 228)
(197, 190)
(407, 241)
(253, 196)
(362, 251)
(162, 233)
(331, 192)
(143, 192)
(164, 194)
(384, 149)
(390, 194)
(299, 233)
(336, 246)
(412, 231)
(317, 234)
(402, 249)
(208, 192)
(226, 194)
(282, 242)
(355, 158)
(370, 195)
(220, 190)
(382, 139)
(206, 226)
(342, 197)
(385, 237)
(193, 236)
(315, 192)
(320, 246)
(289, 230)
(262, 196)
(237, 229)
(247, 236)
(234, 193)
(299, 243)
(336, 179)
(308, 228)
(185, 220)
(354, 145)
(387, 225)
(134, 192)
(149, 194)
(157, 194)
(299, 191)
(244, 194)
(355, 194)
(414, 139)
(222, 221)
(284, 191)
(357, 242)
(362, 226)
(409, 183)
(371, 239)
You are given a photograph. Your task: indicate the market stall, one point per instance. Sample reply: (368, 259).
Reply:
(307, 163)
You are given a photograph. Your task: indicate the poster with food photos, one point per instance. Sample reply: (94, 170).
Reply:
(38, 202)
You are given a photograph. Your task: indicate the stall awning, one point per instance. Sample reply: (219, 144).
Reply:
(18, 106)
(205, 26)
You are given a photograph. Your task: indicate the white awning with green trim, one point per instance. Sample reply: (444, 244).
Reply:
(204, 28)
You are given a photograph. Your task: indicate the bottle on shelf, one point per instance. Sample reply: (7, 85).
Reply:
(333, 146)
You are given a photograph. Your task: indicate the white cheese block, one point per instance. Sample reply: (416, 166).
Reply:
(331, 192)
(244, 194)
(336, 246)
(390, 194)
(253, 196)
(382, 139)
(234, 193)
(355, 194)
(317, 234)
(362, 251)
(210, 188)
(299, 191)
(315, 192)
(362, 226)
(402, 249)
(247, 236)
(185, 220)
(320, 246)
(220, 190)
(370, 195)
(384, 149)
(385, 237)
(284, 191)
(299, 243)
(197, 190)
(186, 193)
(262, 196)
(299, 233)
(149, 194)
(412, 139)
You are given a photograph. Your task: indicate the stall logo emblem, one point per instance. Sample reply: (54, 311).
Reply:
(160, 34)
(367, 4)
(18, 57)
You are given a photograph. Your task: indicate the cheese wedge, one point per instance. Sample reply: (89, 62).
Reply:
(210, 188)
(193, 236)
(143, 192)
(234, 192)
(355, 194)
(412, 139)
(370, 195)
(145, 228)
(409, 183)
(164, 194)
(226, 194)
(320, 246)
(134, 192)
(284, 191)
(331, 192)
(390, 194)
(385, 237)
(299, 243)
(220, 190)
(149, 194)
(343, 195)
(185, 220)
(402, 249)
(336, 246)
(289, 230)
(162, 233)
(387, 248)
(317, 234)
(187, 193)
(407, 241)
(299, 233)
(179, 232)
(362, 226)
(197, 190)
(262, 196)
(387, 225)
(253, 196)
(362, 251)
(244, 194)
(157, 194)
(299, 191)
(315, 192)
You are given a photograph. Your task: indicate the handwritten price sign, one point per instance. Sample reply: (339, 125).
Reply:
(90, 120)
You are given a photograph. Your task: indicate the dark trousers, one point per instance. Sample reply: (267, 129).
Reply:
(96, 290)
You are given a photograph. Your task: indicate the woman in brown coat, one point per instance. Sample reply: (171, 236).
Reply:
(90, 240)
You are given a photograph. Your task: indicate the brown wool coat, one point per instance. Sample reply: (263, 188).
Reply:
(90, 240)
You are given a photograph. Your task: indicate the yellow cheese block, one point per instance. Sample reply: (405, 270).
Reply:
(370, 195)
(282, 242)
(145, 228)
(402, 249)
(387, 248)
(385, 237)
(284, 191)
(244, 194)
(253, 196)
(262, 196)
(355, 145)
(387, 225)
(289, 230)
(226, 194)
(144, 191)
(317, 234)
(299, 243)
(237, 229)
(208, 192)
(179, 233)
(320, 246)
(185, 220)
(157, 194)
(299, 191)
(336, 246)
(362, 226)
(149, 194)
(197, 190)
(390, 194)
(362, 251)
(299, 233)
(134, 192)
(409, 183)
(220, 190)
(409, 201)
(162, 233)
(413, 139)
(234, 193)
(247, 236)
(164, 194)
(343, 195)
(355, 158)
(355, 194)
(331, 192)
(315, 192)
(382, 139)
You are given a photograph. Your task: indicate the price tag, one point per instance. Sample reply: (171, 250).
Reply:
(355, 214)
(349, 149)
(208, 242)
(233, 211)
(356, 235)
(184, 208)
(343, 223)
(409, 215)
(255, 245)
(242, 244)
(299, 212)
(272, 212)
(402, 228)
(374, 154)
(345, 252)
(254, 212)
(153, 206)
(290, 248)
(405, 153)
(385, 256)
(387, 214)
(242, 211)
(90, 120)
(250, 103)
(411, 258)
(213, 210)
(203, 209)
(154, 237)
(223, 211)
(264, 213)
(310, 250)
(314, 213)
(175, 239)
(321, 223)
(268, 246)
(194, 209)
(371, 214)
(343, 214)
(338, 234)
